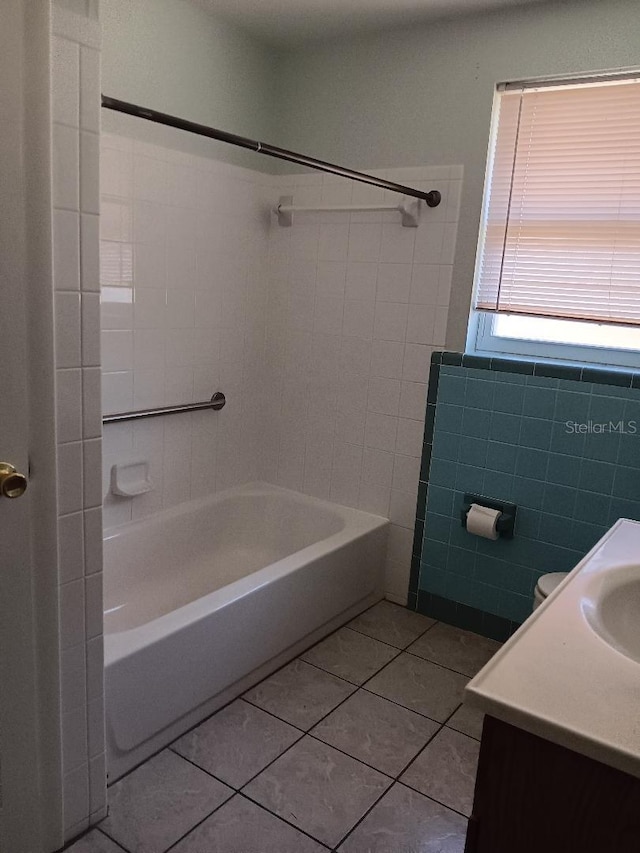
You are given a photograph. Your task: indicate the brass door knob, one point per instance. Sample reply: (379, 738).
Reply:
(12, 484)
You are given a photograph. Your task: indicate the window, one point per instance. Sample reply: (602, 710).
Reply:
(558, 270)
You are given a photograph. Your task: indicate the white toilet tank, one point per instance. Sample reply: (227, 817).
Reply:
(546, 585)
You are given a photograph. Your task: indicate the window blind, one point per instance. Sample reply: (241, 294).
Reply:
(562, 222)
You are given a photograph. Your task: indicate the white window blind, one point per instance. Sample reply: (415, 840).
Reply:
(562, 228)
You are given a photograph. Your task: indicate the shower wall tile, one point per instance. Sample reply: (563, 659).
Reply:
(71, 547)
(76, 110)
(183, 250)
(66, 250)
(66, 167)
(356, 305)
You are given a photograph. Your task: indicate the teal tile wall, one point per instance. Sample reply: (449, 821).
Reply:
(513, 431)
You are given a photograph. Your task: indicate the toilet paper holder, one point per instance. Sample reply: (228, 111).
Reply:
(507, 520)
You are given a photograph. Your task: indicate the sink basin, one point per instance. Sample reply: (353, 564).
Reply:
(611, 606)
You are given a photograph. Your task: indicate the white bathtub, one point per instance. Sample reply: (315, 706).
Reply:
(204, 600)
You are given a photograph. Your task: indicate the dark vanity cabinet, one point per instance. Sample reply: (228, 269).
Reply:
(533, 796)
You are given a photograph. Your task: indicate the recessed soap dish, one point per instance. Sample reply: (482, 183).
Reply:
(131, 479)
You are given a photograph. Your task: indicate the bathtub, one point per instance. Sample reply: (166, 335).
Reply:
(204, 600)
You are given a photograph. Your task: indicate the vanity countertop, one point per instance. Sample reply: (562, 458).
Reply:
(559, 679)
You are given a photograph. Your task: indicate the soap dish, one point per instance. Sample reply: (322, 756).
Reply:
(131, 479)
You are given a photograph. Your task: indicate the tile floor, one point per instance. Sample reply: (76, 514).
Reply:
(360, 745)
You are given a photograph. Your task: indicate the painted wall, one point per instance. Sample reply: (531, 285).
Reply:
(563, 443)
(175, 57)
(424, 95)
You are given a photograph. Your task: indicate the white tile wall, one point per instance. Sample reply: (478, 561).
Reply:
(75, 101)
(357, 303)
(183, 251)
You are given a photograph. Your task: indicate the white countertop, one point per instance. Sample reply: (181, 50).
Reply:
(557, 678)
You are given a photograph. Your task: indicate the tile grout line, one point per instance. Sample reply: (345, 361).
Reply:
(442, 666)
(204, 770)
(95, 828)
(400, 705)
(366, 814)
(402, 648)
(441, 726)
(397, 781)
(352, 757)
(419, 753)
(270, 713)
(199, 823)
(350, 683)
(241, 792)
(284, 820)
(399, 652)
(433, 800)
(353, 683)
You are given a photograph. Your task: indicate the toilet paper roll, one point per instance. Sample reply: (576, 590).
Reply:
(482, 521)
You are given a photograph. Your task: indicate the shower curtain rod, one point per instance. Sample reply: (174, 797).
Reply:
(432, 197)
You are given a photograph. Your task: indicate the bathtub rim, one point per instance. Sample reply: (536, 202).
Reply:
(357, 523)
(256, 487)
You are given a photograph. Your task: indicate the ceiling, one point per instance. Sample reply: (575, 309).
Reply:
(285, 21)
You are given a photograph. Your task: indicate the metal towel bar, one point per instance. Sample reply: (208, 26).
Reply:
(216, 403)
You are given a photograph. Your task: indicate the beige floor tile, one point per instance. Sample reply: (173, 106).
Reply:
(237, 742)
(241, 826)
(406, 822)
(376, 731)
(420, 686)
(350, 655)
(446, 770)
(299, 693)
(460, 650)
(318, 789)
(156, 804)
(391, 624)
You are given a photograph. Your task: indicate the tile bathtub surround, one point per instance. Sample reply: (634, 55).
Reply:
(320, 334)
(183, 249)
(75, 48)
(364, 772)
(561, 442)
(356, 305)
